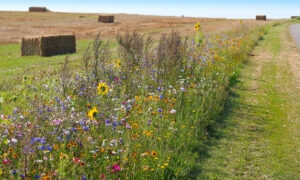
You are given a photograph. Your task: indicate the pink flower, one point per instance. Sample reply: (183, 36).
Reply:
(116, 168)
(57, 121)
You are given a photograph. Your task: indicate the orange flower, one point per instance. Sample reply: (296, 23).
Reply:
(154, 153)
(101, 150)
(46, 177)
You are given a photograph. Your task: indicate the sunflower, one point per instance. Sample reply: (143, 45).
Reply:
(197, 26)
(102, 89)
(93, 113)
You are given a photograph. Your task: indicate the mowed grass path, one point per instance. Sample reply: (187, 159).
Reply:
(259, 133)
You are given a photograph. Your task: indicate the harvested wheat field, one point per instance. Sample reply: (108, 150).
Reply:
(15, 25)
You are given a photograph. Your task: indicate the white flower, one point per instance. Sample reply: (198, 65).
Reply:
(172, 111)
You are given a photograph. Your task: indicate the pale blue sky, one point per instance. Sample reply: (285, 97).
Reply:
(194, 8)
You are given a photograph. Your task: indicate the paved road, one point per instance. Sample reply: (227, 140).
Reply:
(295, 30)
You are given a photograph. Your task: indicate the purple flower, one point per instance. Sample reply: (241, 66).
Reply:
(42, 148)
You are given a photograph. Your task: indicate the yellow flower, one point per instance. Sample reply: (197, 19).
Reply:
(197, 26)
(102, 89)
(62, 155)
(118, 64)
(93, 113)
(163, 167)
(150, 98)
(166, 164)
(94, 155)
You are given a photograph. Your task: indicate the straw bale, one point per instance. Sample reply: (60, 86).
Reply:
(38, 9)
(261, 17)
(106, 19)
(295, 17)
(54, 45)
(30, 46)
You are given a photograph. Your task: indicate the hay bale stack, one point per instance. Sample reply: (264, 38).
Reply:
(106, 19)
(261, 17)
(38, 9)
(48, 45)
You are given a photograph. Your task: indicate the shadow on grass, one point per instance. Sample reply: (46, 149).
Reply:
(216, 131)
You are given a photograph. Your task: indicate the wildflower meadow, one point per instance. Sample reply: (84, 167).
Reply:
(141, 113)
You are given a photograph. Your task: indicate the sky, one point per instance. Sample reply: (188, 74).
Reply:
(239, 9)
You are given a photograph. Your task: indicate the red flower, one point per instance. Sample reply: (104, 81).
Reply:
(5, 161)
(76, 160)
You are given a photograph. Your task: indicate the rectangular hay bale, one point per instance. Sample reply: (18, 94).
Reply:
(48, 45)
(295, 17)
(54, 45)
(30, 46)
(261, 17)
(38, 9)
(106, 19)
